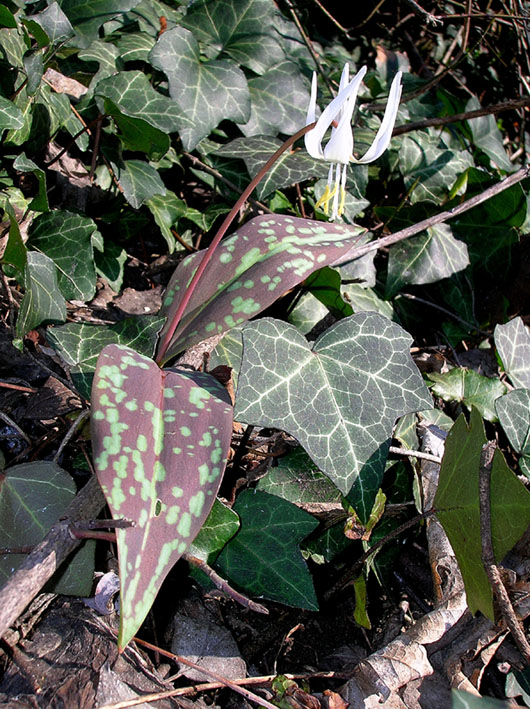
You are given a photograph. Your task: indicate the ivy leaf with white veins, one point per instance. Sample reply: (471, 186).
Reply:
(513, 344)
(243, 29)
(279, 101)
(249, 271)
(263, 557)
(160, 440)
(207, 91)
(42, 301)
(513, 411)
(426, 258)
(339, 398)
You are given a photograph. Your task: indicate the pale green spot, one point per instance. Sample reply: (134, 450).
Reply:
(120, 466)
(216, 454)
(149, 406)
(210, 327)
(132, 491)
(177, 491)
(185, 431)
(117, 495)
(176, 450)
(141, 443)
(98, 415)
(169, 394)
(229, 320)
(173, 514)
(321, 257)
(184, 525)
(197, 503)
(225, 257)
(131, 405)
(197, 396)
(206, 439)
(204, 472)
(265, 279)
(244, 305)
(159, 472)
(182, 547)
(143, 517)
(248, 284)
(112, 415)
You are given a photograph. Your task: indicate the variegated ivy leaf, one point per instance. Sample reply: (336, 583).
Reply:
(160, 440)
(339, 398)
(249, 271)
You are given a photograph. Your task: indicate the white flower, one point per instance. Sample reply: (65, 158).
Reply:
(339, 148)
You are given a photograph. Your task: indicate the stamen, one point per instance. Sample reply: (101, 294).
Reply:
(340, 210)
(326, 198)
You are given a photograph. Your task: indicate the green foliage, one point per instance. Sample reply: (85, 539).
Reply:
(121, 93)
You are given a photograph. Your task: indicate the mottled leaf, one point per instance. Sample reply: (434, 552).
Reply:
(263, 558)
(513, 345)
(43, 300)
(457, 507)
(79, 344)
(469, 388)
(339, 398)
(426, 258)
(279, 100)
(243, 29)
(66, 238)
(33, 496)
(160, 440)
(250, 270)
(513, 410)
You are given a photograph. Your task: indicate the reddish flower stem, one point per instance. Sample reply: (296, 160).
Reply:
(166, 342)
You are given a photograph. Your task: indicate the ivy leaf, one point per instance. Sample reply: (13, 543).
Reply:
(80, 344)
(54, 22)
(10, 115)
(487, 137)
(266, 257)
(160, 441)
(513, 410)
(289, 169)
(136, 134)
(429, 167)
(263, 558)
(39, 203)
(220, 526)
(87, 16)
(140, 181)
(207, 91)
(339, 398)
(512, 341)
(426, 258)
(132, 93)
(66, 238)
(325, 285)
(279, 100)
(43, 300)
(457, 507)
(15, 251)
(469, 388)
(33, 496)
(239, 28)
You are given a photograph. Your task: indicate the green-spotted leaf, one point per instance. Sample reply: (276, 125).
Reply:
(263, 558)
(289, 169)
(513, 410)
(457, 507)
(33, 496)
(279, 100)
(249, 271)
(160, 440)
(469, 388)
(243, 29)
(79, 344)
(207, 92)
(425, 258)
(10, 115)
(513, 344)
(43, 300)
(339, 398)
(66, 238)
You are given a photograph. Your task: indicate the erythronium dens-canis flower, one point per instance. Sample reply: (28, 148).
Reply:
(339, 148)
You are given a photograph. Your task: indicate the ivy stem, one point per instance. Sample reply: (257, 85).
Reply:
(164, 345)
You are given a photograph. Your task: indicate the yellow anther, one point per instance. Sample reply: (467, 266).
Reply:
(326, 198)
(340, 211)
